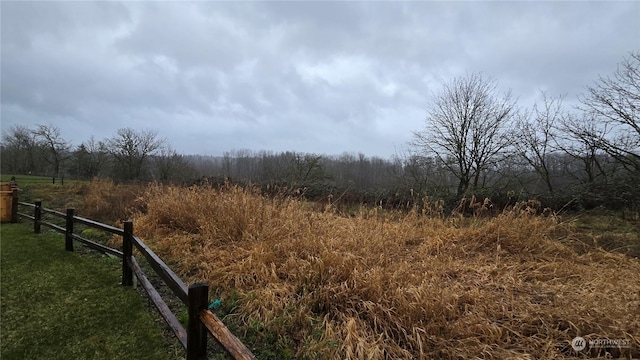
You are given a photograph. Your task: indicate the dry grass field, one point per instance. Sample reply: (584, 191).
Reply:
(304, 280)
(302, 283)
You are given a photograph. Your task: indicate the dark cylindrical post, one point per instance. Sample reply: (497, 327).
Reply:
(127, 253)
(53, 179)
(196, 331)
(14, 206)
(62, 181)
(68, 243)
(37, 214)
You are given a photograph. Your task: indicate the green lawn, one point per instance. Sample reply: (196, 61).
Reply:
(61, 305)
(28, 180)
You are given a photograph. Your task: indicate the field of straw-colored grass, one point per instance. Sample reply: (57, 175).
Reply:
(317, 284)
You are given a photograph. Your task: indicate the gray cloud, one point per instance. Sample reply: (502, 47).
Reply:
(322, 77)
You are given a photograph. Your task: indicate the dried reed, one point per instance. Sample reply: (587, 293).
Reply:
(394, 285)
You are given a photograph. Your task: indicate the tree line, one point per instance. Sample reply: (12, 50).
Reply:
(476, 142)
(130, 155)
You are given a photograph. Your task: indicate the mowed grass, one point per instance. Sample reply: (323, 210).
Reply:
(98, 199)
(29, 180)
(33, 188)
(62, 305)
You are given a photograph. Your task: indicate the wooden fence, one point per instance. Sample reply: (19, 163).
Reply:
(195, 297)
(39, 180)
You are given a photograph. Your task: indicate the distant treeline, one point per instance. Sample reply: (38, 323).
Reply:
(410, 179)
(476, 143)
(403, 181)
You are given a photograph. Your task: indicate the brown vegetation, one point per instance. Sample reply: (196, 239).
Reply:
(315, 284)
(104, 200)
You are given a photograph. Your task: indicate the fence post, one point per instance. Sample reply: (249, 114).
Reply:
(68, 243)
(37, 214)
(196, 331)
(53, 179)
(127, 253)
(14, 206)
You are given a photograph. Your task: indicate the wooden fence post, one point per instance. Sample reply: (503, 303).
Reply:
(196, 331)
(127, 253)
(37, 215)
(14, 206)
(68, 243)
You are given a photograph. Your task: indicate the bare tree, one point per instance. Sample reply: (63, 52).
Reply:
(90, 158)
(19, 150)
(53, 147)
(465, 128)
(580, 138)
(130, 150)
(419, 175)
(616, 100)
(170, 166)
(242, 164)
(533, 136)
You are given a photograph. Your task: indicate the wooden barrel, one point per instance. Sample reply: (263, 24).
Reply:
(6, 201)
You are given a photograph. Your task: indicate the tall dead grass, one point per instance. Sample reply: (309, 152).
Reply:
(104, 200)
(388, 285)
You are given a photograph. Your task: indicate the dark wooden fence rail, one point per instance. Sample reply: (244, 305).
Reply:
(43, 179)
(195, 297)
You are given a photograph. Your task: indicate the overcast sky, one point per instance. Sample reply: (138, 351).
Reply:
(315, 77)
